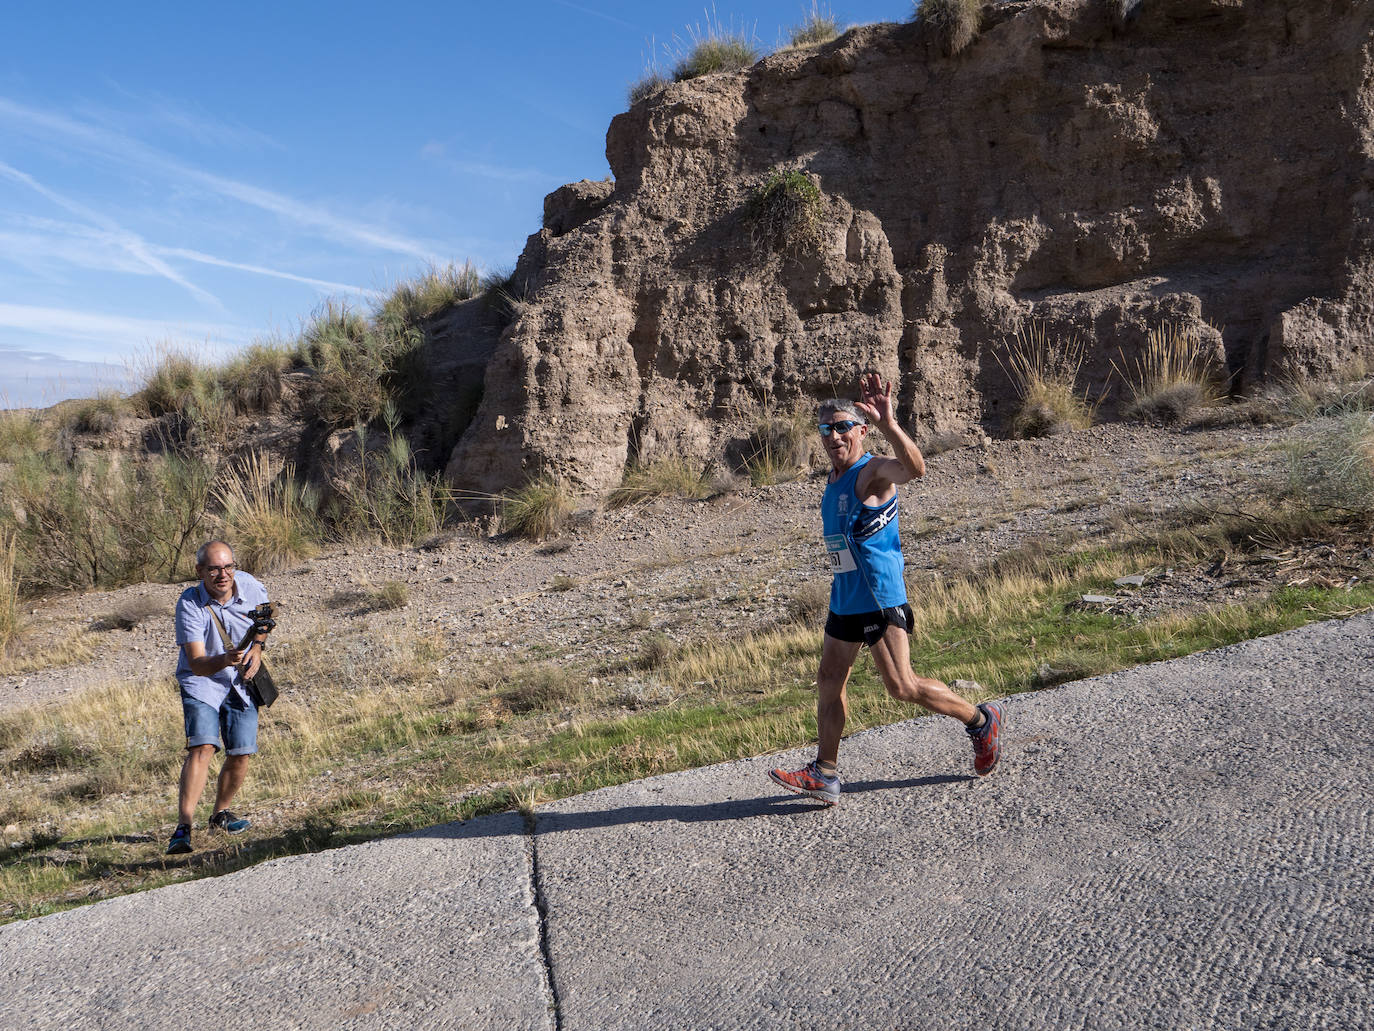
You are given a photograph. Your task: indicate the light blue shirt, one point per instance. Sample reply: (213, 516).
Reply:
(193, 623)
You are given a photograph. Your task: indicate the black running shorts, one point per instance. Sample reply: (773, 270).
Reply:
(868, 627)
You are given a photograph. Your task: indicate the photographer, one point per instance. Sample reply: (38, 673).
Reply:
(216, 705)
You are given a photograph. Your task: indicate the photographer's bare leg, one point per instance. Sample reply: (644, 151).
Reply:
(231, 776)
(192, 785)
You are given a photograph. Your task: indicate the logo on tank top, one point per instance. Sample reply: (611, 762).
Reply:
(843, 504)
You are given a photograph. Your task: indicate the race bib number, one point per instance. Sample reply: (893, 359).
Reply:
(840, 557)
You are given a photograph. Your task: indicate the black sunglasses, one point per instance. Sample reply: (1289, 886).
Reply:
(828, 428)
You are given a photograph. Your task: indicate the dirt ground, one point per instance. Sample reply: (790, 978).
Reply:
(733, 563)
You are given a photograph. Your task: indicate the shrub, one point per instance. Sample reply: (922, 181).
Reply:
(666, 477)
(382, 493)
(9, 593)
(439, 288)
(819, 26)
(21, 434)
(955, 22)
(777, 449)
(176, 385)
(393, 594)
(252, 381)
(542, 689)
(786, 211)
(1175, 376)
(651, 82)
(1349, 389)
(99, 414)
(539, 509)
(269, 520)
(1044, 373)
(1334, 467)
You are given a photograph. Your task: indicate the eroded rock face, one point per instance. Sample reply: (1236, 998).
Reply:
(1199, 162)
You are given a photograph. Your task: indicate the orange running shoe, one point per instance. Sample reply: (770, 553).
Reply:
(987, 740)
(809, 781)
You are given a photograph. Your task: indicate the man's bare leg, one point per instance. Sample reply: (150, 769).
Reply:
(192, 784)
(231, 776)
(892, 656)
(832, 703)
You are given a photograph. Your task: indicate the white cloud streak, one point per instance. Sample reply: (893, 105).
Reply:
(132, 152)
(117, 334)
(597, 14)
(131, 242)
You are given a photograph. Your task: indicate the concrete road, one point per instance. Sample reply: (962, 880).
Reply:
(1183, 845)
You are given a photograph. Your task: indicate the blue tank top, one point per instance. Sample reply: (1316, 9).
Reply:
(864, 548)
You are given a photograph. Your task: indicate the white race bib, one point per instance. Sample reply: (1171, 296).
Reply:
(837, 551)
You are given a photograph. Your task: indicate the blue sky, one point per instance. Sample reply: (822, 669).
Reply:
(199, 176)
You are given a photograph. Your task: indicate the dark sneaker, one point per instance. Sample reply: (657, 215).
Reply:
(181, 840)
(808, 781)
(987, 739)
(228, 822)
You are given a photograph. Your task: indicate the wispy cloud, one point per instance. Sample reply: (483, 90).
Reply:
(438, 153)
(320, 284)
(35, 379)
(597, 14)
(136, 246)
(116, 334)
(133, 152)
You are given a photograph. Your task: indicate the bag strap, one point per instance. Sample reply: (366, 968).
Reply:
(224, 636)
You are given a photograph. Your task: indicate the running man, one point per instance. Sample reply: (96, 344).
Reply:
(868, 603)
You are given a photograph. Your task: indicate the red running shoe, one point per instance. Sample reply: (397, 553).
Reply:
(987, 739)
(809, 781)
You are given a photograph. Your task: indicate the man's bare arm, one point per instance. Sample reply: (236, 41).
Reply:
(908, 463)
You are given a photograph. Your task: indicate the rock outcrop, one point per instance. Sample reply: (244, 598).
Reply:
(1201, 163)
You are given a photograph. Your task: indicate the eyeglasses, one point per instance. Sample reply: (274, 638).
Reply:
(828, 428)
(216, 570)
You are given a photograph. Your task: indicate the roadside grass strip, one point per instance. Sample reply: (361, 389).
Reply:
(404, 741)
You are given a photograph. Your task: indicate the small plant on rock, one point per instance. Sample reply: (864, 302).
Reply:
(819, 26)
(716, 48)
(955, 22)
(1044, 373)
(787, 211)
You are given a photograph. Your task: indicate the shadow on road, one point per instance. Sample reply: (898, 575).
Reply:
(781, 804)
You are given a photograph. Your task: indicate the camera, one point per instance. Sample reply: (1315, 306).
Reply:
(262, 622)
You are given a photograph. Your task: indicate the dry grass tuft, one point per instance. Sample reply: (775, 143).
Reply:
(819, 26)
(1044, 373)
(1174, 377)
(9, 594)
(955, 22)
(269, 519)
(539, 509)
(663, 478)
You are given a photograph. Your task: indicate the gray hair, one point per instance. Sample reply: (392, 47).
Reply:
(839, 404)
(204, 550)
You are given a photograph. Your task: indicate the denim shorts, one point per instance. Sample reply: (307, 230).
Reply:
(235, 724)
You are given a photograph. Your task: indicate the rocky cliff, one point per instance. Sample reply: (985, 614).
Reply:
(1204, 162)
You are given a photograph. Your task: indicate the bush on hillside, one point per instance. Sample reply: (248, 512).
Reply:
(1175, 376)
(786, 212)
(717, 48)
(954, 22)
(1044, 374)
(819, 26)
